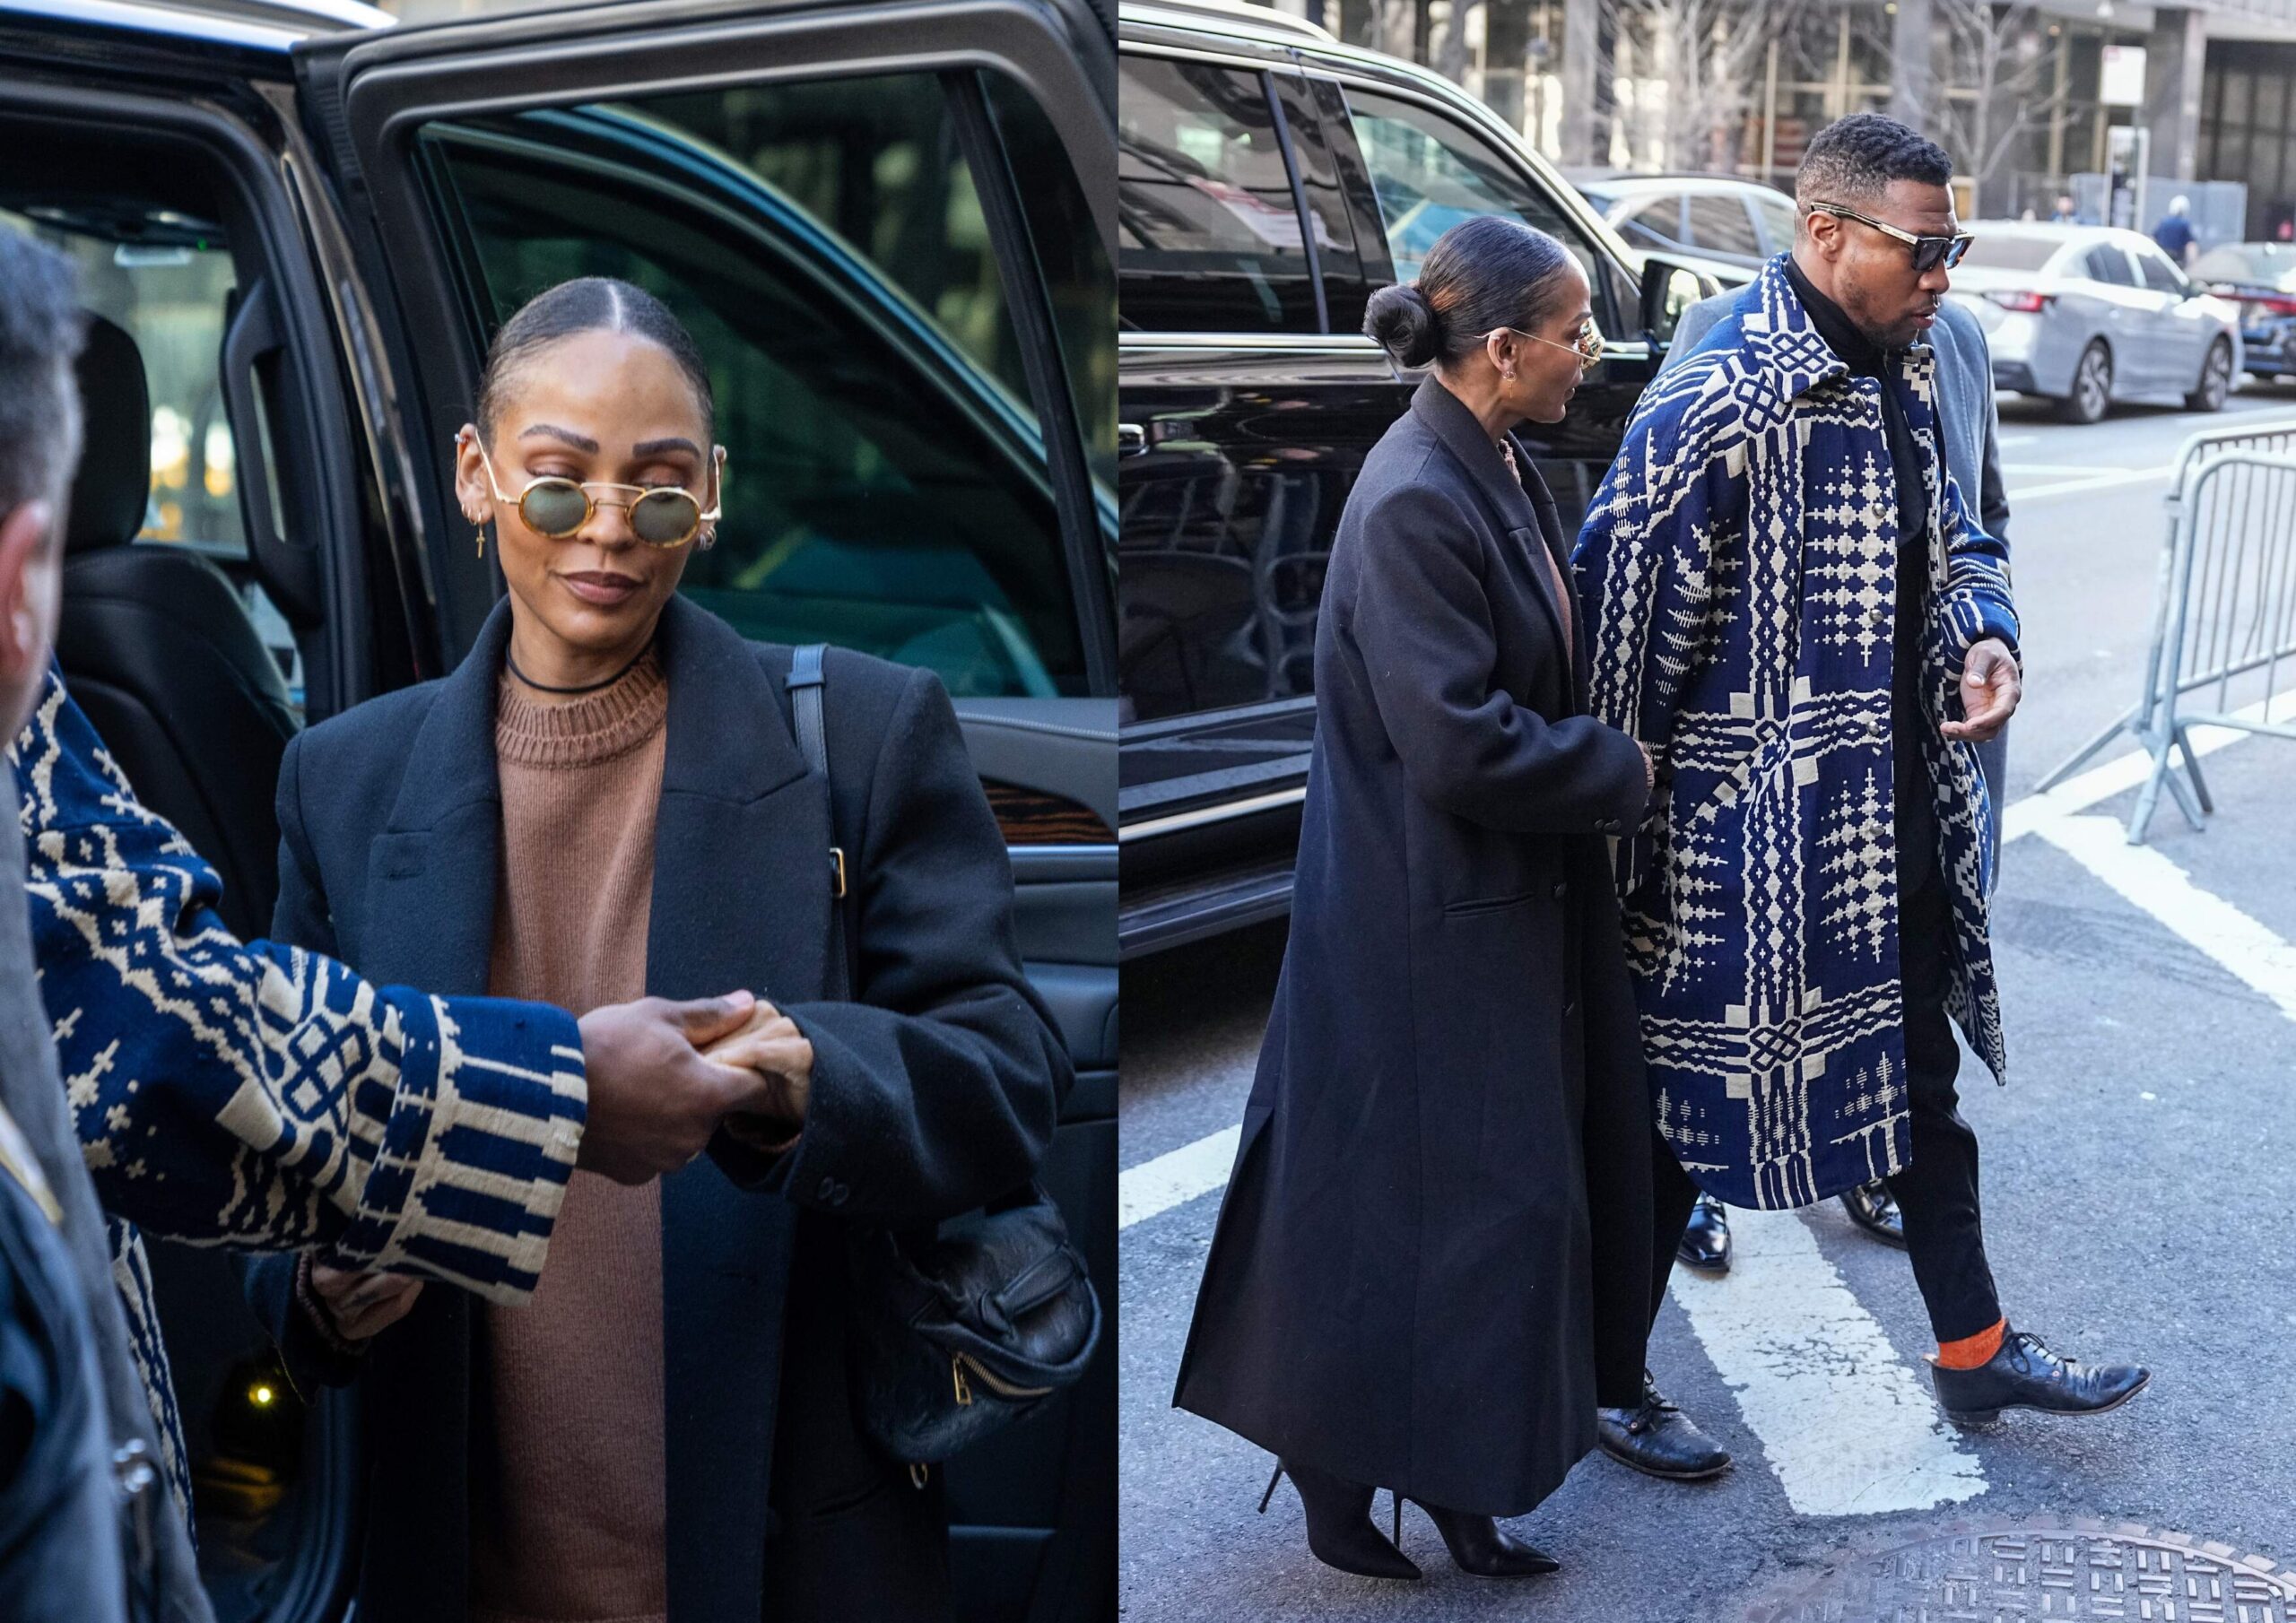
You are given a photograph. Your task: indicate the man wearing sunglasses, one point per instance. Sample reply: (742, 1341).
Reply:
(1969, 423)
(1795, 609)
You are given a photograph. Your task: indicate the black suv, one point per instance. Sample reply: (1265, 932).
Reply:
(1268, 179)
(891, 226)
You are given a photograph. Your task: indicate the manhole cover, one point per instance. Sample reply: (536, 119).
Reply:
(2066, 1570)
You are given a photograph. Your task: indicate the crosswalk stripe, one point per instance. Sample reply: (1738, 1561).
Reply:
(1846, 1427)
(1176, 1177)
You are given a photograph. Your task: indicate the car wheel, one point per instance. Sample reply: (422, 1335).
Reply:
(2093, 386)
(2215, 379)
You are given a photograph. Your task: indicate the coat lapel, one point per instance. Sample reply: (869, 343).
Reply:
(431, 878)
(1509, 503)
(741, 900)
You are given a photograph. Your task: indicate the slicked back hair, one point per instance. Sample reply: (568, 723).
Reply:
(587, 304)
(1853, 160)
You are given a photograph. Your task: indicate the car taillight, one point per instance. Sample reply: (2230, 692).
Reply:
(2272, 306)
(2024, 304)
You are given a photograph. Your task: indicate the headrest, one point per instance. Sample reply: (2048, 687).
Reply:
(114, 483)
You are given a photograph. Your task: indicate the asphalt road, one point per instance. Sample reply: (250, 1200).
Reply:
(2138, 1197)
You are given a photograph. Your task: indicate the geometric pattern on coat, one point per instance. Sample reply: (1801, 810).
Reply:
(263, 1097)
(1738, 570)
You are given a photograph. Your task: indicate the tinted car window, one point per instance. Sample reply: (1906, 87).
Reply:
(2160, 275)
(1209, 238)
(1778, 222)
(1720, 223)
(885, 488)
(1656, 223)
(2106, 262)
(1993, 251)
(1430, 173)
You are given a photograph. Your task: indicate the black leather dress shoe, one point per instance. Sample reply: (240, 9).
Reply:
(1480, 1547)
(1706, 1241)
(1339, 1523)
(2026, 1374)
(1873, 1208)
(1659, 1440)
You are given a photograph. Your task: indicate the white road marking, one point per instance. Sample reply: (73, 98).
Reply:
(2098, 481)
(2077, 794)
(1176, 1177)
(1847, 1428)
(2250, 951)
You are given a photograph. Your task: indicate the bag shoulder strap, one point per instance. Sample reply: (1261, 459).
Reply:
(807, 686)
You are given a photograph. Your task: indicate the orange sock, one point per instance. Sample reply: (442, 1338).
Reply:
(1972, 1351)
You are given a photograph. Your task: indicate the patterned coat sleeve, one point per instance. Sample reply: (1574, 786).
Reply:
(1977, 603)
(263, 1097)
(1644, 563)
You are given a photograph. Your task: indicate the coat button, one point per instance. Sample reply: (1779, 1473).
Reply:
(1569, 1007)
(1561, 888)
(828, 1191)
(1608, 825)
(838, 1198)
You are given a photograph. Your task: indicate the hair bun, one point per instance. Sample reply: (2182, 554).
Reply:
(1401, 321)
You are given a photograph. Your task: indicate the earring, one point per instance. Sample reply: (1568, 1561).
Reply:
(482, 542)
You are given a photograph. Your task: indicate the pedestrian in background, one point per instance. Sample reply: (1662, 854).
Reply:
(1431, 1264)
(2175, 233)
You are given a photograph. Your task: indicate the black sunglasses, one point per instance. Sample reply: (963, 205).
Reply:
(1928, 252)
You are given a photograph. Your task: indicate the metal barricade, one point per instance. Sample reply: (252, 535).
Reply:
(2224, 614)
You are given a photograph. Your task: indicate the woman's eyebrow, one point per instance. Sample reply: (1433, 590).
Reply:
(580, 442)
(655, 448)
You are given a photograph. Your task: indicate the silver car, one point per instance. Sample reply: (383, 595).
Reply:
(2088, 315)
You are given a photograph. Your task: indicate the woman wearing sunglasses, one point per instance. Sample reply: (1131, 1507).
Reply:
(606, 801)
(1431, 1265)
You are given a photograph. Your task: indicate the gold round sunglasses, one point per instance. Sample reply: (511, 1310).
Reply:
(1588, 346)
(660, 515)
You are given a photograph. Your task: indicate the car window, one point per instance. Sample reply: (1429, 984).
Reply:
(1778, 222)
(2107, 263)
(1209, 231)
(2160, 275)
(885, 487)
(168, 280)
(1656, 223)
(1992, 251)
(1430, 173)
(1720, 223)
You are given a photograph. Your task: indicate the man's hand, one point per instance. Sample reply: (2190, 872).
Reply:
(1990, 690)
(653, 1100)
(771, 1045)
(361, 1305)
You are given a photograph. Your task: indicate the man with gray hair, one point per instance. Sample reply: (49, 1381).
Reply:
(2175, 234)
(1793, 607)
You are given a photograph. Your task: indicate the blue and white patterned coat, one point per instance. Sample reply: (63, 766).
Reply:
(1738, 570)
(266, 1099)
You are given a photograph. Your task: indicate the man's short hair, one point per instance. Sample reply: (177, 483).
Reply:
(1853, 160)
(41, 331)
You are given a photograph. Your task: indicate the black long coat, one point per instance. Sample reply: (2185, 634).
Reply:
(1445, 1155)
(933, 1092)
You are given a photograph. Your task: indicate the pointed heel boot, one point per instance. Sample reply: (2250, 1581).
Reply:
(1340, 1533)
(1480, 1547)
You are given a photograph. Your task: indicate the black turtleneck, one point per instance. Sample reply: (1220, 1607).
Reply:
(1867, 359)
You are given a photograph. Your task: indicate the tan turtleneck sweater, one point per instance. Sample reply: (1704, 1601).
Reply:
(567, 1501)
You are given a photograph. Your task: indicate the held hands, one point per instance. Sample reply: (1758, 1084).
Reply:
(359, 1305)
(1991, 686)
(655, 1101)
(770, 1048)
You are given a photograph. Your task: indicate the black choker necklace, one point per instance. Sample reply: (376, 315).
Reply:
(543, 687)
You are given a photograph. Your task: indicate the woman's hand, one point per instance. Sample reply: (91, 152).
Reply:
(360, 1306)
(771, 1045)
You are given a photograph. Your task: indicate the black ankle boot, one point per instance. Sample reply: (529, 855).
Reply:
(1480, 1547)
(1339, 1523)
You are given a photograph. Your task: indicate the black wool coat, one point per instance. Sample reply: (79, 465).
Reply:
(1441, 1199)
(934, 1090)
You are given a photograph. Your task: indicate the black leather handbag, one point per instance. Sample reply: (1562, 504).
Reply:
(963, 1327)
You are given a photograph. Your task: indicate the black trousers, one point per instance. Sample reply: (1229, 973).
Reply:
(1944, 1229)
